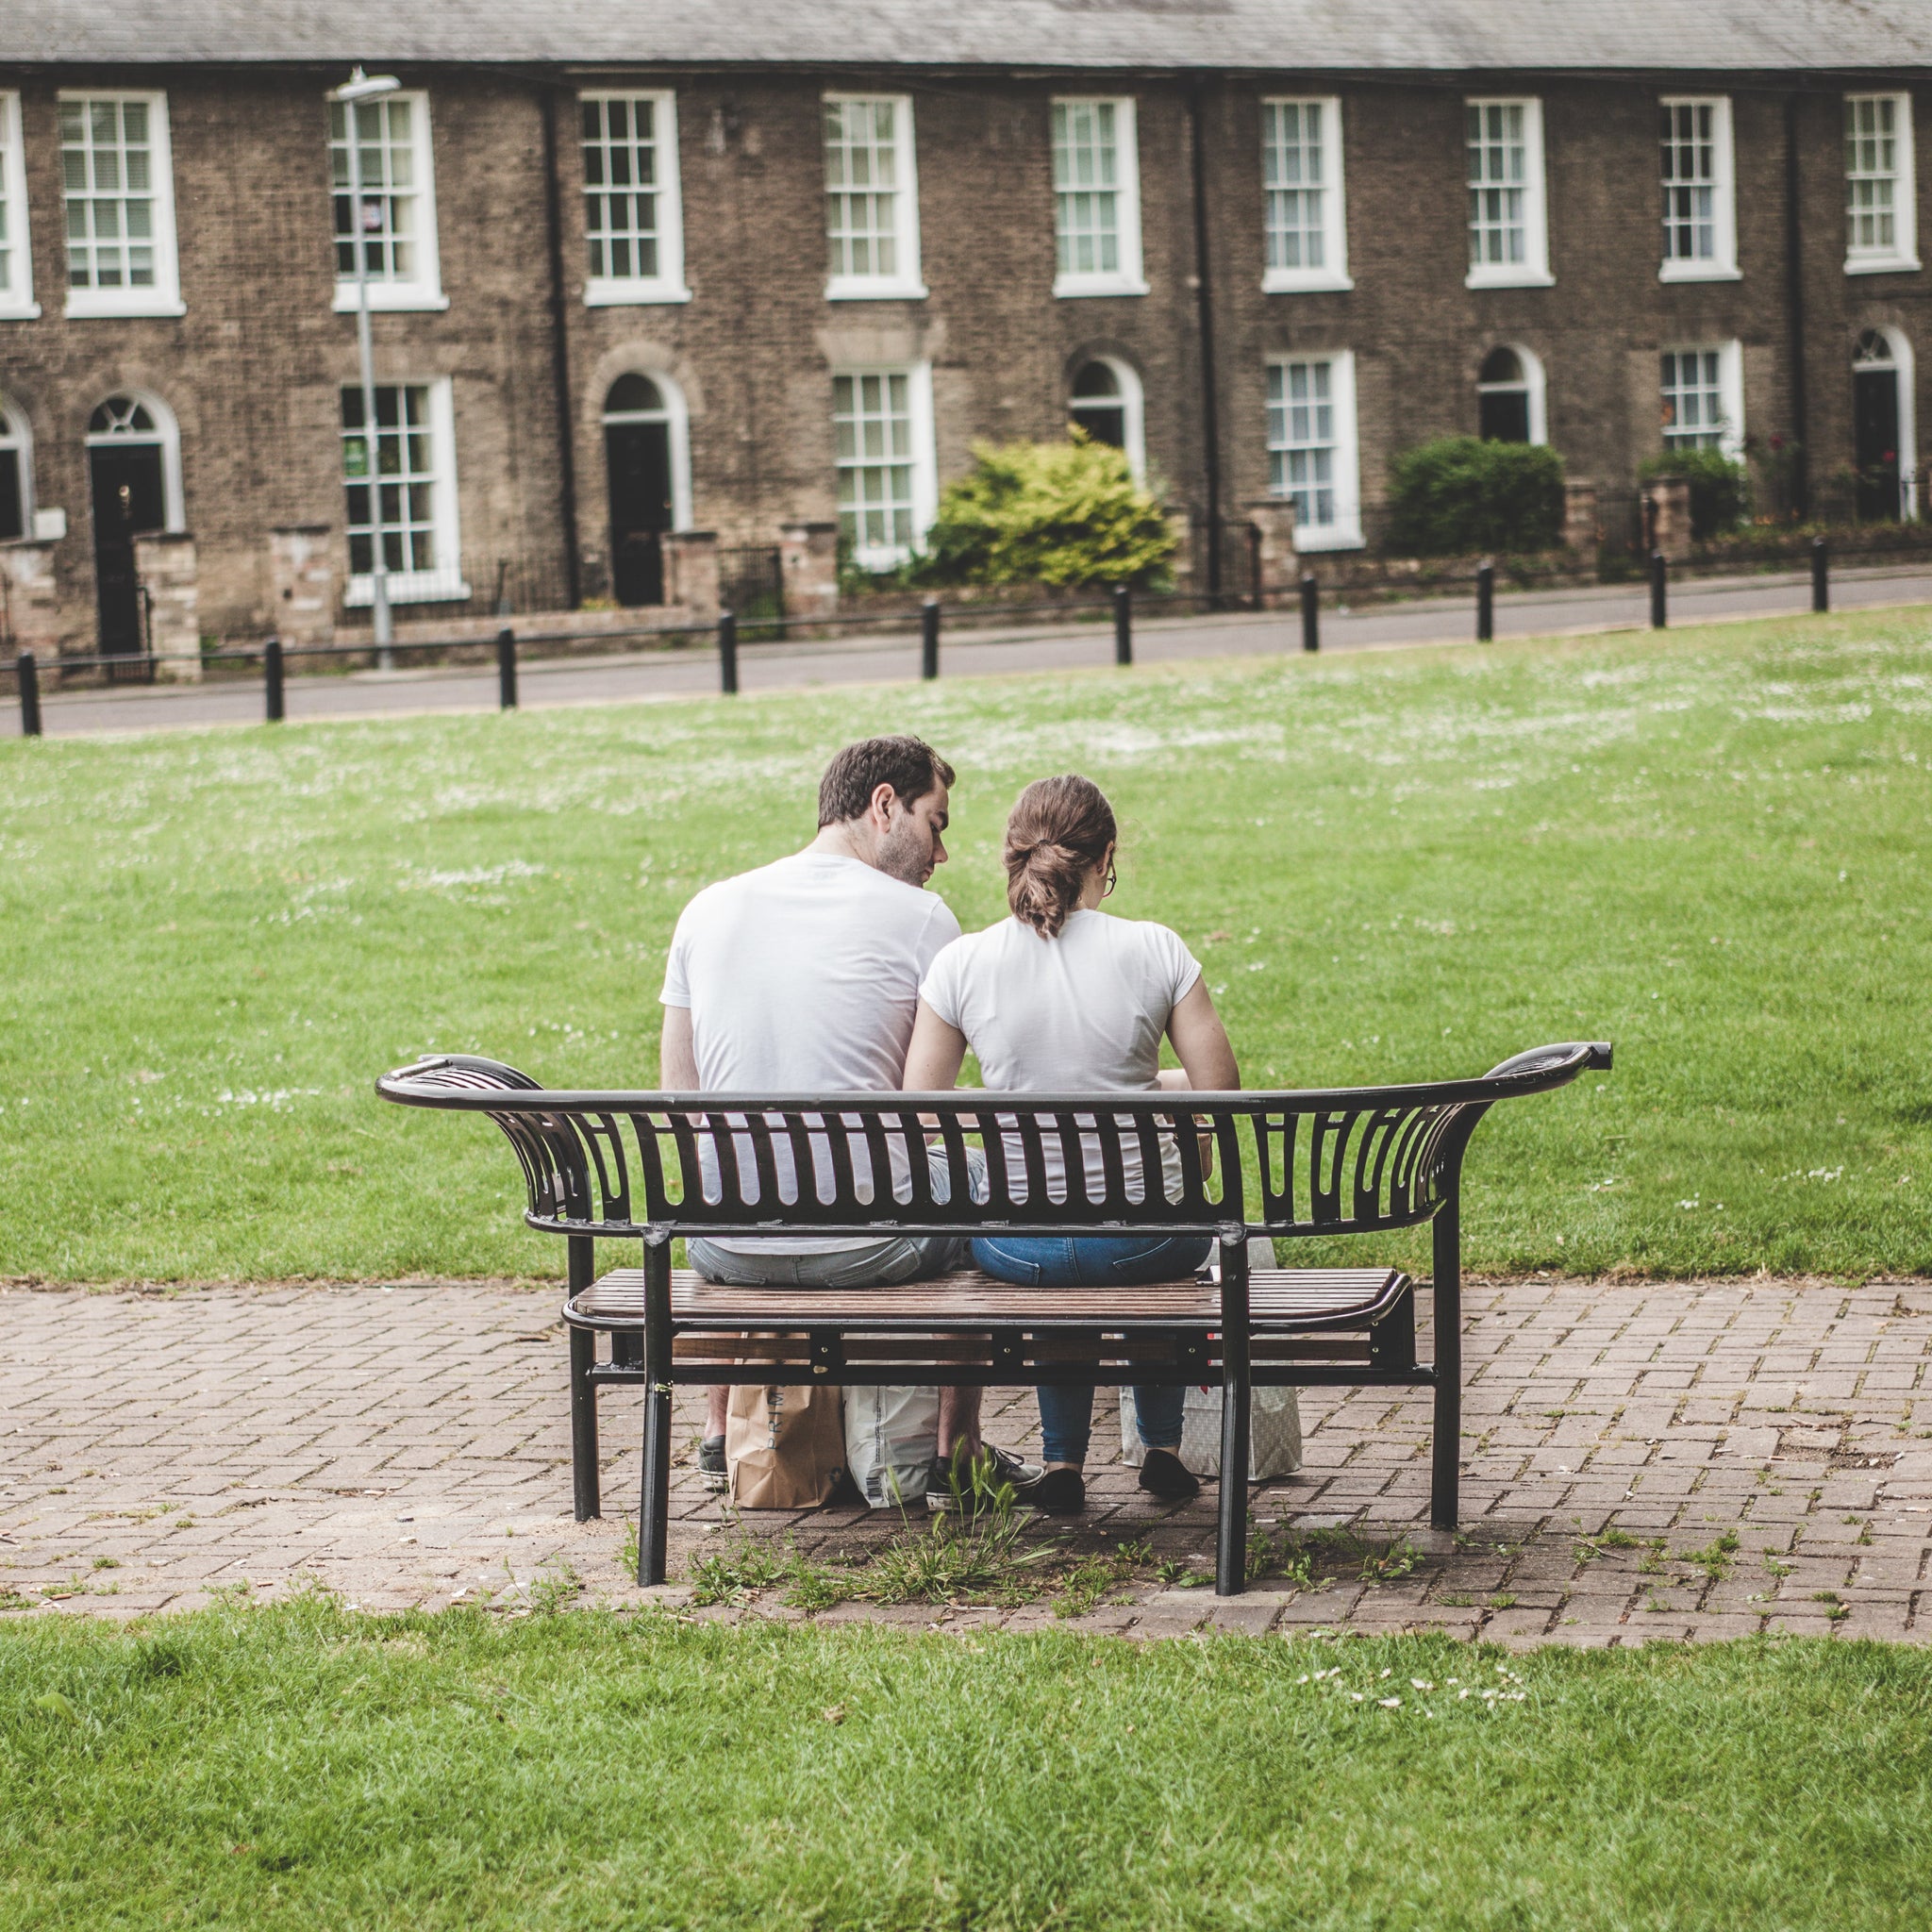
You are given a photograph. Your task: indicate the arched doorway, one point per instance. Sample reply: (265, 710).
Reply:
(1106, 403)
(1882, 426)
(646, 463)
(134, 470)
(1510, 396)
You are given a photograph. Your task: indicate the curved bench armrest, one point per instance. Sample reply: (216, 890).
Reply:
(1540, 1061)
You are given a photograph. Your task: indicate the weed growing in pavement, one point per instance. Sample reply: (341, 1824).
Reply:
(1716, 1557)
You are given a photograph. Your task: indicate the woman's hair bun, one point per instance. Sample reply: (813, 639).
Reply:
(1057, 831)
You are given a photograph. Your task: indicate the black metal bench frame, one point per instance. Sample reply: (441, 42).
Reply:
(1346, 1161)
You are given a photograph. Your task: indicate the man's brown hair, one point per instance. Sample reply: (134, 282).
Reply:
(908, 765)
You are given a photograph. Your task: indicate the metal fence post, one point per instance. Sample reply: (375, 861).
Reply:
(1821, 574)
(1256, 601)
(1659, 580)
(929, 637)
(1123, 625)
(727, 652)
(507, 669)
(28, 674)
(274, 699)
(1311, 612)
(1485, 602)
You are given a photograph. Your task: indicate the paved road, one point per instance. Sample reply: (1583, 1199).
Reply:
(682, 673)
(411, 1445)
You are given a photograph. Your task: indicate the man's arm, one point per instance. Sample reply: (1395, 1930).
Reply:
(677, 1059)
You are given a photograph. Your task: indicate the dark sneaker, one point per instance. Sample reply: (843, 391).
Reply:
(713, 1472)
(960, 1484)
(1164, 1474)
(1058, 1493)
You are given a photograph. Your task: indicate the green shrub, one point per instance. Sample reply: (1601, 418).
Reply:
(1047, 513)
(1458, 494)
(1719, 489)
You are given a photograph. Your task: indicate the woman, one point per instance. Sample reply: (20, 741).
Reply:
(1063, 998)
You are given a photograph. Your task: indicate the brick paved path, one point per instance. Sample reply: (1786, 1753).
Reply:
(410, 1445)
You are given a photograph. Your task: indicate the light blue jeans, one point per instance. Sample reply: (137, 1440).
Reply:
(1066, 1415)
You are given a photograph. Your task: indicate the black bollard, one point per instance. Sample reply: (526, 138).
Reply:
(275, 704)
(1123, 625)
(1311, 612)
(1821, 574)
(727, 652)
(1659, 581)
(929, 637)
(1485, 602)
(1255, 600)
(28, 674)
(507, 669)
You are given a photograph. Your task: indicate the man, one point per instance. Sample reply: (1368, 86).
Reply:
(803, 976)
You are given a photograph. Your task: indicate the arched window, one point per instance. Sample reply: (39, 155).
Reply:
(1106, 403)
(648, 463)
(1884, 426)
(16, 473)
(1510, 396)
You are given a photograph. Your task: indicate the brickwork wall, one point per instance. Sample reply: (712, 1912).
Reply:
(252, 371)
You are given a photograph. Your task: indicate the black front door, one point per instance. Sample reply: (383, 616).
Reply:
(638, 459)
(128, 499)
(1874, 414)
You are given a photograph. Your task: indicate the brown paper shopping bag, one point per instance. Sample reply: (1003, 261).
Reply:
(785, 1446)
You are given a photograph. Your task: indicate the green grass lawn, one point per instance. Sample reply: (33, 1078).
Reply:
(1710, 848)
(298, 1767)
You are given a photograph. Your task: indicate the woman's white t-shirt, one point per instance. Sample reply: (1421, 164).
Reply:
(1078, 1013)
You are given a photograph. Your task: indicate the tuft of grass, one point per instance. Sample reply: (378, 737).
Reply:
(1708, 847)
(300, 1765)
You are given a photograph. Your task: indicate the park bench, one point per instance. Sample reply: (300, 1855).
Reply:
(654, 1167)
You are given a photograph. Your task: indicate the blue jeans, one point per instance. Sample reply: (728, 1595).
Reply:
(1066, 1415)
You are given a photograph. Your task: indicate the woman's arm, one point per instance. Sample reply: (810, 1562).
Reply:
(934, 1058)
(1201, 1040)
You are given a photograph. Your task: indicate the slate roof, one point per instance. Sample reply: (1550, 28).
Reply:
(1277, 36)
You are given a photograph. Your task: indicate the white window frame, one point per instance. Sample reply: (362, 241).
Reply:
(17, 302)
(1533, 270)
(1722, 265)
(1730, 390)
(164, 298)
(1133, 406)
(17, 434)
(1345, 532)
(1129, 277)
(905, 284)
(925, 486)
(1902, 258)
(444, 584)
(1333, 273)
(667, 285)
(424, 291)
(1907, 369)
(675, 415)
(1533, 389)
(165, 436)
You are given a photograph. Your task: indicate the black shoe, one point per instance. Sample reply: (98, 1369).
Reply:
(1164, 1474)
(950, 1484)
(713, 1471)
(1058, 1493)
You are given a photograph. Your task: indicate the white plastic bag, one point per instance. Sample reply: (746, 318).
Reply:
(892, 1435)
(1275, 1432)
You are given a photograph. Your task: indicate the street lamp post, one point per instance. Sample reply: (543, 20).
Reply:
(361, 87)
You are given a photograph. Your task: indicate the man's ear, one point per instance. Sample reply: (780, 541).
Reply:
(882, 798)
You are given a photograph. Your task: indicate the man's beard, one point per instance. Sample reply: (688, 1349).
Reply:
(905, 853)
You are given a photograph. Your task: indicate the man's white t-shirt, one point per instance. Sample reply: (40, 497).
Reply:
(803, 977)
(1081, 1012)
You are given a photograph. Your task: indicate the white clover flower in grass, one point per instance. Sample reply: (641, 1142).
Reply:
(1356, 1696)
(1390, 1702)
(1420, 1684)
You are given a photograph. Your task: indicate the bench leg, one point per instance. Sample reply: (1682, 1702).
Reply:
(654, 1504)
(1231, 1545)
(1446, 1462)
(583, 1425)
(583, 1392)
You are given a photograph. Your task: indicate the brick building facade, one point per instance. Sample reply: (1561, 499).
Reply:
(1266, 278)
